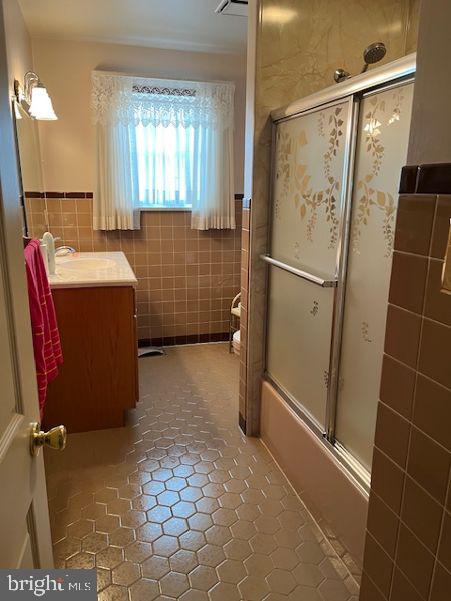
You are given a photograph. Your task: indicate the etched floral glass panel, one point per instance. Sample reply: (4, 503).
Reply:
(310, 154)
(298, 340)
(383, 134)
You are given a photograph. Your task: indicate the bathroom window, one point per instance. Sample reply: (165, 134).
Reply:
(163, 143)
(167, 159)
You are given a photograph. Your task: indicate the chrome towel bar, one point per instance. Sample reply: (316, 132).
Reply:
(305, 275)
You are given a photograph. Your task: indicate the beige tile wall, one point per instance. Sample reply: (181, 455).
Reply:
(186, 278)
(408, 543)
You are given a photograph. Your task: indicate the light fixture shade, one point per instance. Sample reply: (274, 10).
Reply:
(41, 106)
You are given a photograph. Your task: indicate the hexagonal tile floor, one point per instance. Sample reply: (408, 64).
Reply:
(180, 505)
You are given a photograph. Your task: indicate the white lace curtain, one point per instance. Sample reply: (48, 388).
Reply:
(127, 109)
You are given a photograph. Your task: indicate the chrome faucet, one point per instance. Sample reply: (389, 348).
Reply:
(61, 251)
(48, 244)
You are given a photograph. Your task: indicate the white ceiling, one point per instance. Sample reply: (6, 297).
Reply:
(178, 24)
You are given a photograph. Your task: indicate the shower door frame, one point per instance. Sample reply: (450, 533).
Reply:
(333, 280)
(399, 72)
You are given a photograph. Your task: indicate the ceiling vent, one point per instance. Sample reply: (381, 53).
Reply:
(237, 8)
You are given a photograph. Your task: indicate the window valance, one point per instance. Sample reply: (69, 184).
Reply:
(162, 142)
(133, 100)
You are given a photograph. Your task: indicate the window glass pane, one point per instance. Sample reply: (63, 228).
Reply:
(166, 165)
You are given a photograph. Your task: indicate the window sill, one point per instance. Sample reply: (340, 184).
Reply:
(165, 209)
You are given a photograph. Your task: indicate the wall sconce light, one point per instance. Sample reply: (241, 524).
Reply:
(34, 98)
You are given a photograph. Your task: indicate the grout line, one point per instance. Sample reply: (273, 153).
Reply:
(421, 315)
(417, 362)
(372, 581)
(421, 373)
(403, 523)
(442, 523)
(412, 254)
(447, 496)
(394, 564)
(413, 425)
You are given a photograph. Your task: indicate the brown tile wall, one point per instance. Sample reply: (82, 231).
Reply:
(244, 304)
(408, 545)
(186, 278)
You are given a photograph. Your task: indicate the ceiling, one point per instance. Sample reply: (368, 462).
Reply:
(177, 24)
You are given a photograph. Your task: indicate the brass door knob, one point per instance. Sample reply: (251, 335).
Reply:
(54, 438)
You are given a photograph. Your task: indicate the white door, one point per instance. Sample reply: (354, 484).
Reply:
(24, 521)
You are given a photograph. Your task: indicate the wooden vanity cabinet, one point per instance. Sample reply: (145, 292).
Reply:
(98, 380)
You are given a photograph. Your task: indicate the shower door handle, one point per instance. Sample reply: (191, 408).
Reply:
(305, 275)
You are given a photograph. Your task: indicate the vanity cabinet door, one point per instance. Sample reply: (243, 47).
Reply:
(98, 379)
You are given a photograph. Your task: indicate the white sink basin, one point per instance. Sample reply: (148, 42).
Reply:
(87, 269)
(86, 264)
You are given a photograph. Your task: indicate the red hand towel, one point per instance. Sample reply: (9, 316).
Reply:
(46, 339)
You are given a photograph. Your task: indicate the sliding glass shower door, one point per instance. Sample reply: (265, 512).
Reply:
(336, 172)
(310, 153)
(383, 135)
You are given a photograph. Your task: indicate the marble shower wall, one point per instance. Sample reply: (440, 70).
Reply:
(299, 57)
(299, 45)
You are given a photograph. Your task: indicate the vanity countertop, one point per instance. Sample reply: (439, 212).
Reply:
(90, 269)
